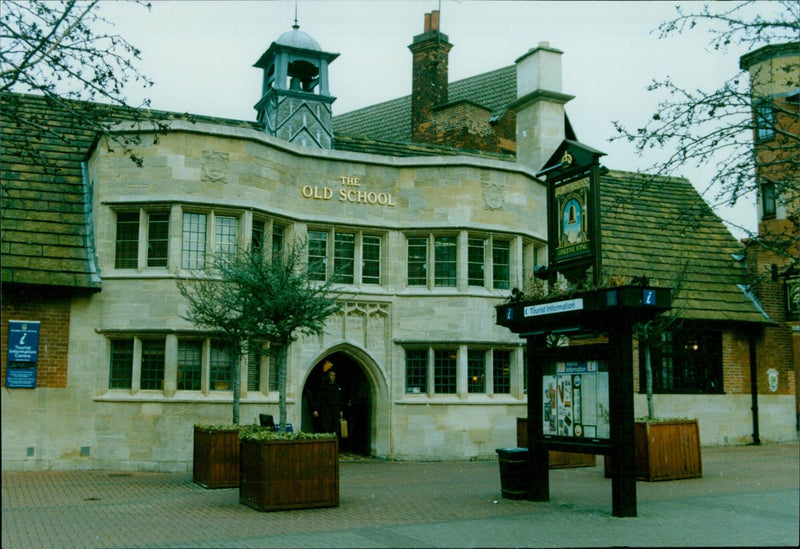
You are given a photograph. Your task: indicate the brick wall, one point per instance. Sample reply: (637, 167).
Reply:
(735, 363)
(51, 309)
(776, 345)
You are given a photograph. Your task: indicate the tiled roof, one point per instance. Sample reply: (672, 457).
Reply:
(391, 120)
(389, 148)
(660, 228)
(45, 239)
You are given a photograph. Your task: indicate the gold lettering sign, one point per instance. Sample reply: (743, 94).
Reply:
(349, 193)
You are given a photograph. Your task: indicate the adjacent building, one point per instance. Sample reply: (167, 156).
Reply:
(426, 211)
(772, 258)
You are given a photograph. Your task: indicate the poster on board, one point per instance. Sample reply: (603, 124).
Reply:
(576, 399)
(23, 354)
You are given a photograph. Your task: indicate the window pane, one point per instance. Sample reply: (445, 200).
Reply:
(127, 252)
(476, 371)
(254, 367)
(152, 364)
(225, 238)
(344, 253)
(317, 255)
(278, 239)
(257, 238)
(476, 256)
(444, 371)
(501, 371)
(277, 356)
(768, 200)
(193, 247)
(371, 260)
(416, 371)
(221, 366)
(765, 121)
(190, 358)
(157, 239)
(500, 260)
(417, 261)
(525, 372)
(446, 258)
(121, 372)
(688, 361)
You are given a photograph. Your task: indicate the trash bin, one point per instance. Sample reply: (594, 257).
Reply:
(515, 472)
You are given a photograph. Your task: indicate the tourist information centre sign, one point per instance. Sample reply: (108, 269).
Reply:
(580, 395)
(23, 354)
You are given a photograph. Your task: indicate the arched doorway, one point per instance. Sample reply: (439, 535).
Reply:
(358, 400)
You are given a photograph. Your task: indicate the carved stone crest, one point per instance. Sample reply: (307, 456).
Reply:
(215, 166)
(493, 195)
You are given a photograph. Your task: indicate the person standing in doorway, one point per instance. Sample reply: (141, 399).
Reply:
(329, 408)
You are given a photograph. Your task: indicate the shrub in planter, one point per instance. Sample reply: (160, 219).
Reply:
(280, 470)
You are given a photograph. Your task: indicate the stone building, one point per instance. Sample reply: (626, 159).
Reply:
(426, 211)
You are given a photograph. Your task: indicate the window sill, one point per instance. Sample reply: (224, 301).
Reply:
(222, 397)
(152, 272)
(471, 399)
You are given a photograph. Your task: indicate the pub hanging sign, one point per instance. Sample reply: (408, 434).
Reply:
(23, 354)
(572, 200)
(573, 209)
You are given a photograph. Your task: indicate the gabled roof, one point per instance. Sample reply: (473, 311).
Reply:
(391, 120)
(660, 228)
(45, 211)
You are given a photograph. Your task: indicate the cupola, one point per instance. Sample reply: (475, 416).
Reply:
(295, 102)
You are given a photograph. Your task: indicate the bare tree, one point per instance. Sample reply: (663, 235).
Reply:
(253, 297)
(58, 50)
(715, 127)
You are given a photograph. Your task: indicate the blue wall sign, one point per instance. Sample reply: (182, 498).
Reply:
(23, 354)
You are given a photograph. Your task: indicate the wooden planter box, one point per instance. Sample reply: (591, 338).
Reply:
(665, 450)
(558, 460)
(216, 458)
(289, 474)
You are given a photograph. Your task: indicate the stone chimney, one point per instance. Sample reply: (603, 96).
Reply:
(429, 76)
(539, 105)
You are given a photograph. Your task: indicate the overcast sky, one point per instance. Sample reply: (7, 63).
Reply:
(200, 55)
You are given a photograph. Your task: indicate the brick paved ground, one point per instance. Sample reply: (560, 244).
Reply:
(748, 496)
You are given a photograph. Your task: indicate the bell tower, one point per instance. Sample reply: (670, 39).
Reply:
(295, 102)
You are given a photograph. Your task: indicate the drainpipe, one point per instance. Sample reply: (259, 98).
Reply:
(754, 387)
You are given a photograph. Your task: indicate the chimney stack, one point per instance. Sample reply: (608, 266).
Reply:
(539, 105)
(429, 75)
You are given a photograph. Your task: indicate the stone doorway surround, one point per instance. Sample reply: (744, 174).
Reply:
(366, 399)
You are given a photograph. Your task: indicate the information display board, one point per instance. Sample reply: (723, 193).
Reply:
(23, 354)
(576, 399)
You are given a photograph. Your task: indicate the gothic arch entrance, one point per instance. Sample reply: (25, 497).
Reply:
(359, 401)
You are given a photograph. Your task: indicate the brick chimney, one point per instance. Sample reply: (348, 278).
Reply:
(429, 76)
